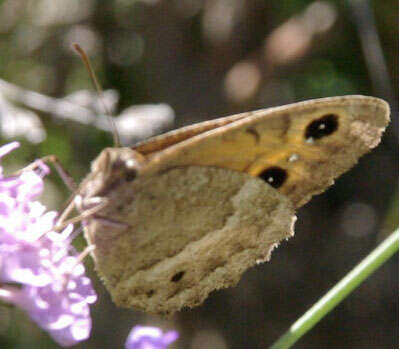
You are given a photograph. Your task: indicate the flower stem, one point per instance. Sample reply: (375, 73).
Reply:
(333, 297)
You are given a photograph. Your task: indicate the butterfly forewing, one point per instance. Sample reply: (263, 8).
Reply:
(299, 149)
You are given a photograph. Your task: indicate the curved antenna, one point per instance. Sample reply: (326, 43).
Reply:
(99, 90)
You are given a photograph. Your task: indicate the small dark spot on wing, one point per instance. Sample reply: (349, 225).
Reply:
(177, 277)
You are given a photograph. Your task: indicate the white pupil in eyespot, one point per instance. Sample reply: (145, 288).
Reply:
(310, 140)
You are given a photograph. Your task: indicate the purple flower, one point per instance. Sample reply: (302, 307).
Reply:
(53, 287)
(23, 255)
(146, 337)
(62, 307)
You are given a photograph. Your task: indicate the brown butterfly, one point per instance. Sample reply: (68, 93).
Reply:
(201, 204)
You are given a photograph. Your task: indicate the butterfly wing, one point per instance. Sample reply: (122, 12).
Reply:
(168, 139)
(193, 200)
(199, 235)
(299, 148)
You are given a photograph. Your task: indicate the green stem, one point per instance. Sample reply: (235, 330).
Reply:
(333, 297)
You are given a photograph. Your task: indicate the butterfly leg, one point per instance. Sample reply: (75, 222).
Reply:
(97, 204)
(62, 172)
(89, 209)
(91, 206)
(66, 178)
(111, 222)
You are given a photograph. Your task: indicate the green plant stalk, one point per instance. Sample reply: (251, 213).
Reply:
(342, 289)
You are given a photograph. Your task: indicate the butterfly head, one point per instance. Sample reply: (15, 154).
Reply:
(113, 167)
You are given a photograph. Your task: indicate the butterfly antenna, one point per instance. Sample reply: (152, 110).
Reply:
(99, 90)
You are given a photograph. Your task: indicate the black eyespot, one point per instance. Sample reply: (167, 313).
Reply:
(275, 176)
(130, 175)
(177, 277)
(321, 127)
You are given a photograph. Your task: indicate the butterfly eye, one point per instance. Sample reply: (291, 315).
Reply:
(324, 126)
(275, 176)
(117, 164)
(126, 169)
(130, 175)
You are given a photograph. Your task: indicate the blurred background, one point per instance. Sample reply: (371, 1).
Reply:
(165, 64)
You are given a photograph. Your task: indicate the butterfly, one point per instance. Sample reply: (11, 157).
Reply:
(202, 204)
